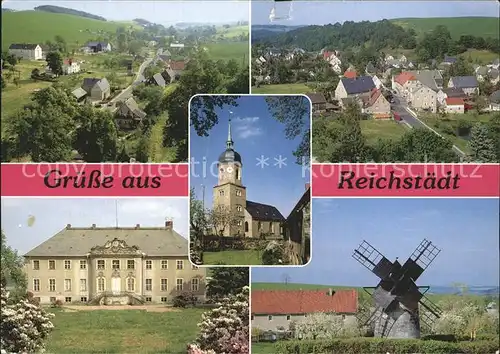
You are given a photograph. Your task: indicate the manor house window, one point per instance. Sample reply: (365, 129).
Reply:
(52, 265)
(130, 264)
(180, 264)
(116, 264)
(101, 265)
(36, 265)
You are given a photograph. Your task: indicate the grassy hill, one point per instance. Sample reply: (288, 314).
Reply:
(476, 26)
(38, 27)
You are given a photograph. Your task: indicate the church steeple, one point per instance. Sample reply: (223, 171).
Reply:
(229, 142)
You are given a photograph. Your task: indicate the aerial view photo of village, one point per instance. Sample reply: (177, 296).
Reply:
(428, 285)
(113, 276)
(250, 180)
(389, 81)
(106, 81)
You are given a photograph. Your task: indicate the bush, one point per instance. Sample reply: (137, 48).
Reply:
(184, 300)
(273, 254)
(383, 346)
(24, 326)
(56, 304)
(224, 330)
(323, 326)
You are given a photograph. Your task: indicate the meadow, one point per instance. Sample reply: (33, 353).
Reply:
(373, 130)
(298, 88)
(238, 51)
(233, 31)
(458, 26)
(233, 257)
(39, 27)
(123, 331)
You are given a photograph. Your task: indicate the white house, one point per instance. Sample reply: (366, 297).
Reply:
(70, 66)
(454, 105)
(377, 82)
(26, 51)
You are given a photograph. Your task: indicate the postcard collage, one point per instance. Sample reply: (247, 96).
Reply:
(250, 176)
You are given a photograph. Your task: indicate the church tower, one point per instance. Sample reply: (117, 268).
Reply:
(229, 193)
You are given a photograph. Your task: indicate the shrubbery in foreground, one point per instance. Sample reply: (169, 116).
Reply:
(383, 346)
(24, 326)
(225, 329)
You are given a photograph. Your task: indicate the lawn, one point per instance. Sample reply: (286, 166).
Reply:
(240, 258)
(156, 151)
(39, 27)
(233, 31)
(238, 51)
(282, 88)
(476, 26)
(446, 126)
(480, 56)
(263, 348)
(123, 331)
(382, 129)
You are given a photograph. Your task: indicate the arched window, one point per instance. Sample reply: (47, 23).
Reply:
(238, 174)
(271, 227)
(259, 226)
(101, 284)
(130, 284)
(246, 226)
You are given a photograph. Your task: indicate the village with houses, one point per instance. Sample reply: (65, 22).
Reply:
(393, 90)
(126, 72)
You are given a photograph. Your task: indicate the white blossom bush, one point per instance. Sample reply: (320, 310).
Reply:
(323, 326)
(24, 326)
(225, 329)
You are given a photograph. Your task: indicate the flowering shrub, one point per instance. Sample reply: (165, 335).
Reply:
(23, 325)
(225, 329)
(274, 254)
(324, 326)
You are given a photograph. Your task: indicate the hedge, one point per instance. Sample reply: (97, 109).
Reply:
(383, 346)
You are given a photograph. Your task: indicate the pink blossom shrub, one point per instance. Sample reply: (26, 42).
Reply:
(225, 329)
(24, 326)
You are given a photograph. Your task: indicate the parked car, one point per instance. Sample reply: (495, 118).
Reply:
(397, 117)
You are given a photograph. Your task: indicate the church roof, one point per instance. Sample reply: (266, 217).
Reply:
(230, 155)
(77, 241)
(263, 212)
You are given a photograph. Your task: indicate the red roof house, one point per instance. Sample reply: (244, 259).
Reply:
(404, 77)
(455, 101)
(302, 302)
(350, 74)
(327, 54)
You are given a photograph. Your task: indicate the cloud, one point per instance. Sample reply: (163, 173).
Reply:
(325, 205)
(247, 127)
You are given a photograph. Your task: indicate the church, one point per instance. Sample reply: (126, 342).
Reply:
(253, 219)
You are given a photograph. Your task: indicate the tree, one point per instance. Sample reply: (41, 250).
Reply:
(96, 138)
(55, 62)
(141, 150)
(221, 218)
(481, 145)
(198, 216)
(323, 326)
(294, 113)
(202, 109)
(11, 267)
(226, 281)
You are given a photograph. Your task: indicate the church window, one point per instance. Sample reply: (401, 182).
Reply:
(271, 226)
(116, 264)
(238, 174)
(240, 223)
(246, 226)
(130, 284)
(239, 208)
(221, 193)
(238, 193)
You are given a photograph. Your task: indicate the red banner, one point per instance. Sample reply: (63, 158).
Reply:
(95, 180)
(405, 180)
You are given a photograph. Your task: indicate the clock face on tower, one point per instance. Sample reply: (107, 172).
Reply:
(229, 169)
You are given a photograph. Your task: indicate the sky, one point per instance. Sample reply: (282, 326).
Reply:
(162, 12)
(466, 231)
(255, 134)
(325, 12)
(53, 214)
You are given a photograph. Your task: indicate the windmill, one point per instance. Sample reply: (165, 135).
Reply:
(397, 298)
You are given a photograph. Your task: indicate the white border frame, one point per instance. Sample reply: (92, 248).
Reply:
(310, 181)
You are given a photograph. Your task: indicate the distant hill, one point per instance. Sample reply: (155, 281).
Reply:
(65, 10)
(142, 22)
(265, 31)
(475, 26)
(40, 26)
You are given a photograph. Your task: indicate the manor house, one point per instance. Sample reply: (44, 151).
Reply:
(113, 265)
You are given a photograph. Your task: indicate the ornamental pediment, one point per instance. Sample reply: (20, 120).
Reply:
(115, 247)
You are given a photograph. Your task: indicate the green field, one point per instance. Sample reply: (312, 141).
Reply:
(446, 126)
(123, 331)
(263, 348)
(480, 56)
(476, 26)
(238, 51)
(282, 88)
(382, 129)
(39, 26)
(241, 258)
(233, 31)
